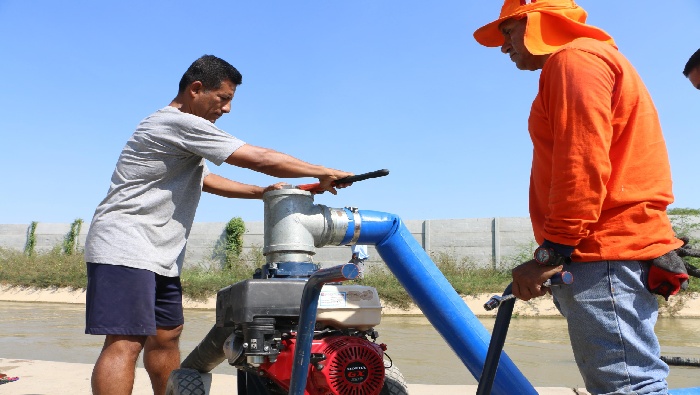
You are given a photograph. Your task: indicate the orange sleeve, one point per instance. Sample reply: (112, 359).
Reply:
(576, 91)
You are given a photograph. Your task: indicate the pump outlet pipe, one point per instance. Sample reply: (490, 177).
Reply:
(307, 320)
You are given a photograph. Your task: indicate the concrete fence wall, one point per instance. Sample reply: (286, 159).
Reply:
(485, 242)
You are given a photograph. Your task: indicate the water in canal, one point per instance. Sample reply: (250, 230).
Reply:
(538, 346)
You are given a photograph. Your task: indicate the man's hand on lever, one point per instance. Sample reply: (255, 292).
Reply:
(529, 277)
(330, 182)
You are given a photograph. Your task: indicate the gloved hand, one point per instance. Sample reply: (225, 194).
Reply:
(667, 275)
(687, 250)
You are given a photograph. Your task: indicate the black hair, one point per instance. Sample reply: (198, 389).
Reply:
(693, 62)
(211, 72)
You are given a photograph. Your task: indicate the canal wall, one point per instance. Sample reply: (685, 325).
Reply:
(483, 242)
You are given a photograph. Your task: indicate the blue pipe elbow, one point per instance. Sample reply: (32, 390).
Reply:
(374, 226)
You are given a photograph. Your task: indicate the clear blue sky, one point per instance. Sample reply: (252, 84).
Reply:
(356, 85)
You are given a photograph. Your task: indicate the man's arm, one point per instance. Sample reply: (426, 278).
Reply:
(232, 189)
(281, 165)
(577, 91)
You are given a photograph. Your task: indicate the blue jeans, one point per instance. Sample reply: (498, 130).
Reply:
(611, 318)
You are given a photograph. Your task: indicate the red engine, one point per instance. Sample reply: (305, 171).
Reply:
(339, 365)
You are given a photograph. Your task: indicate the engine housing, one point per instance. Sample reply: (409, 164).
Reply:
(339, 365)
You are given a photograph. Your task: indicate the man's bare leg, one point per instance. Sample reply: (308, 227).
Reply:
(115, 368)
(161, 356)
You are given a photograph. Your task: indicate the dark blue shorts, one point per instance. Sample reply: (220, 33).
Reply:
(122, 300)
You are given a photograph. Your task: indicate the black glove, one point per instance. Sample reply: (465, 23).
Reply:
(667, 275)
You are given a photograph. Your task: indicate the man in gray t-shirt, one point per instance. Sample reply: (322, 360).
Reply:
(136, 242)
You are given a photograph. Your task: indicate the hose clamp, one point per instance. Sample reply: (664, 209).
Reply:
(358, 224)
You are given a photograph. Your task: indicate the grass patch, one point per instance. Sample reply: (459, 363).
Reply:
(464, 276)
(388, 287)
(467, 278)
(42, 270)
(54, 269)
(202, 283)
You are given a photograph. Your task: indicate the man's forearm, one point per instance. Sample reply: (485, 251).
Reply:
(232, 189)
(275, 163)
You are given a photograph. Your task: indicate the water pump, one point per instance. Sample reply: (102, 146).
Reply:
(263, 327)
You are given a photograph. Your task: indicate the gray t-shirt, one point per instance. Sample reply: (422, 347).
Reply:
(147, 215)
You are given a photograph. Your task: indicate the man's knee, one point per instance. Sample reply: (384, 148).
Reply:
(165, 337)
(124, 345)
(169, 332)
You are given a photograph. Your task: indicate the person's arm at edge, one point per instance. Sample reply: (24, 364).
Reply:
(277, 164)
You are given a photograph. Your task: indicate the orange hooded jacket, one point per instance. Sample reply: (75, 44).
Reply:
(601, 178)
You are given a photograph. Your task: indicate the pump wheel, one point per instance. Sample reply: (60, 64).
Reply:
(394, 383)
(184, 382)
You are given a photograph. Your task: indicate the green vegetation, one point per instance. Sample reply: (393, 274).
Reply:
(64, 267)
(31, 240)
(464, 276)
(235, 228)
(201, 283)
(70, 244)
(683, 211)
(230, 246)
(57, 269)
(43, 270)
(685, 222)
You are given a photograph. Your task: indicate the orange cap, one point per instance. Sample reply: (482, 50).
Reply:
(550, 25)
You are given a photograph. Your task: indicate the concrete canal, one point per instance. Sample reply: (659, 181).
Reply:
(538, 346)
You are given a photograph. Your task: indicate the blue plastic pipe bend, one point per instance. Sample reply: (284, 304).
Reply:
(438, 300)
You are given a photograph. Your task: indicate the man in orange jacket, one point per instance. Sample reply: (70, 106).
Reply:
(599, 187)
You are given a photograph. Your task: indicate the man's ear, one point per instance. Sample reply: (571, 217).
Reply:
(195, 88)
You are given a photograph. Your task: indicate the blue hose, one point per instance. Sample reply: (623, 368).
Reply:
(438, 300)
